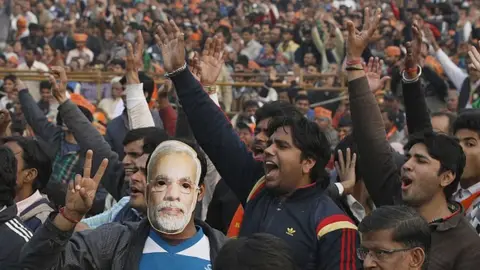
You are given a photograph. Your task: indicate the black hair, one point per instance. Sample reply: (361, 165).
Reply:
(242, 60)
(243, 125)
(153, 138)
(85, 112)
(148, 84)
(200, 155)
(408, 226)
(260, 251)
(10, 77)
(313, 143)
(248, 30)
(348, 142)
(451, 119)
(45, 85)
(8, 176)
(468, 119)
(225, 32)
(34, 156)
(148, 134)
(248, 104)
(276, 108)
(447, 150)
(345, 121)
(119, 62)
(301, 97)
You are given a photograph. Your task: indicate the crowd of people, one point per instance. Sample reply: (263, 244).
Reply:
(384, 175)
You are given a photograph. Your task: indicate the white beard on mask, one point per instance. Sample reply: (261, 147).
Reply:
(171, 224)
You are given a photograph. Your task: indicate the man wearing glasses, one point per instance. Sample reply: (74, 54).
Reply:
(394, 238)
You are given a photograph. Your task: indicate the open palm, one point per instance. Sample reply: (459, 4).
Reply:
(211, 61)
(171, 40)
(373, 71)
(357, 41)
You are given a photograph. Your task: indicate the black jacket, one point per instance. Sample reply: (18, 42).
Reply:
(13, 235)
(112, 246)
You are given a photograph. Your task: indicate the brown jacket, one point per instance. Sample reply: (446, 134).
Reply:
(455, 245)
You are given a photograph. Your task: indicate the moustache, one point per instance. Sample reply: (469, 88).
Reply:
(174, 205)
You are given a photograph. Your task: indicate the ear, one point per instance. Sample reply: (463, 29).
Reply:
(201, 192)
(417, 258)
(446, 178)
(307, 165)
(30, 175)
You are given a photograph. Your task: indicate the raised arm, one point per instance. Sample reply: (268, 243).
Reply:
(416, 110)
(34, 115)
(376, 159)
(86, 135)
(211, 128)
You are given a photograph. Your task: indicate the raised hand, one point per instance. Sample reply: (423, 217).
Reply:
(373, 71)
(59, 88)
(431, 38)
(211, 61)
(357, 41)
(346, 170)
(414, 52)
(134, 59)
(171, 40)
(195, 67)
(81, 192)
(20, 85)
(475, 57)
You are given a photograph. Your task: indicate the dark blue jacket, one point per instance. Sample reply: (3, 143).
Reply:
(320, 234)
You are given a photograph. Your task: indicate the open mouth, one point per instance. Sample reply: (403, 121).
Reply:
(406, 182)
(270, 167)
(135, 191)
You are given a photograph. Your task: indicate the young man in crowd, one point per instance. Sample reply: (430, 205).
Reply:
(33, 172)
(282, 195)
(431, 173)
(13, 234)
(264, 252)
(394, 238)
(169, 236)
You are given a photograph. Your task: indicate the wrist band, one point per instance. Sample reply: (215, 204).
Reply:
(62, 212)
(352, 68)
(175, 72)
(354, 62)
(406, 80)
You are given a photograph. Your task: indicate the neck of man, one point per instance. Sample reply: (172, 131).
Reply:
(177, 239)
(436, 208)
(30, 63)
(23, 194)
(468, 182)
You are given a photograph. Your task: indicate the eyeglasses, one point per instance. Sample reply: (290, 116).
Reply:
(377, 254)
(161, 185)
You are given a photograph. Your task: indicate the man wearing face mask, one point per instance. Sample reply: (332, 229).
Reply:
(169, 236)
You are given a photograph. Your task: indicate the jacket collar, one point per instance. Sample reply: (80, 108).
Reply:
(138, 238)
(8, 213)
(450, 222)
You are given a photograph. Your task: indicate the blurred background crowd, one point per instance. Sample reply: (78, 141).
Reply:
(290, 50)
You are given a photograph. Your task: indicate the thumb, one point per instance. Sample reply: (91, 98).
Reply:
(384, 80)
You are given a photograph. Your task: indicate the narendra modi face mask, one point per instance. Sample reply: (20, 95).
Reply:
(173, 175)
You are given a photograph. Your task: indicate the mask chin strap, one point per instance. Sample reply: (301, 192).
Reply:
(192, 207)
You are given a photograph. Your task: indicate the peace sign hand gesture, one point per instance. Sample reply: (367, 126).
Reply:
(357, 41)
(81, 192)
(171, 40)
